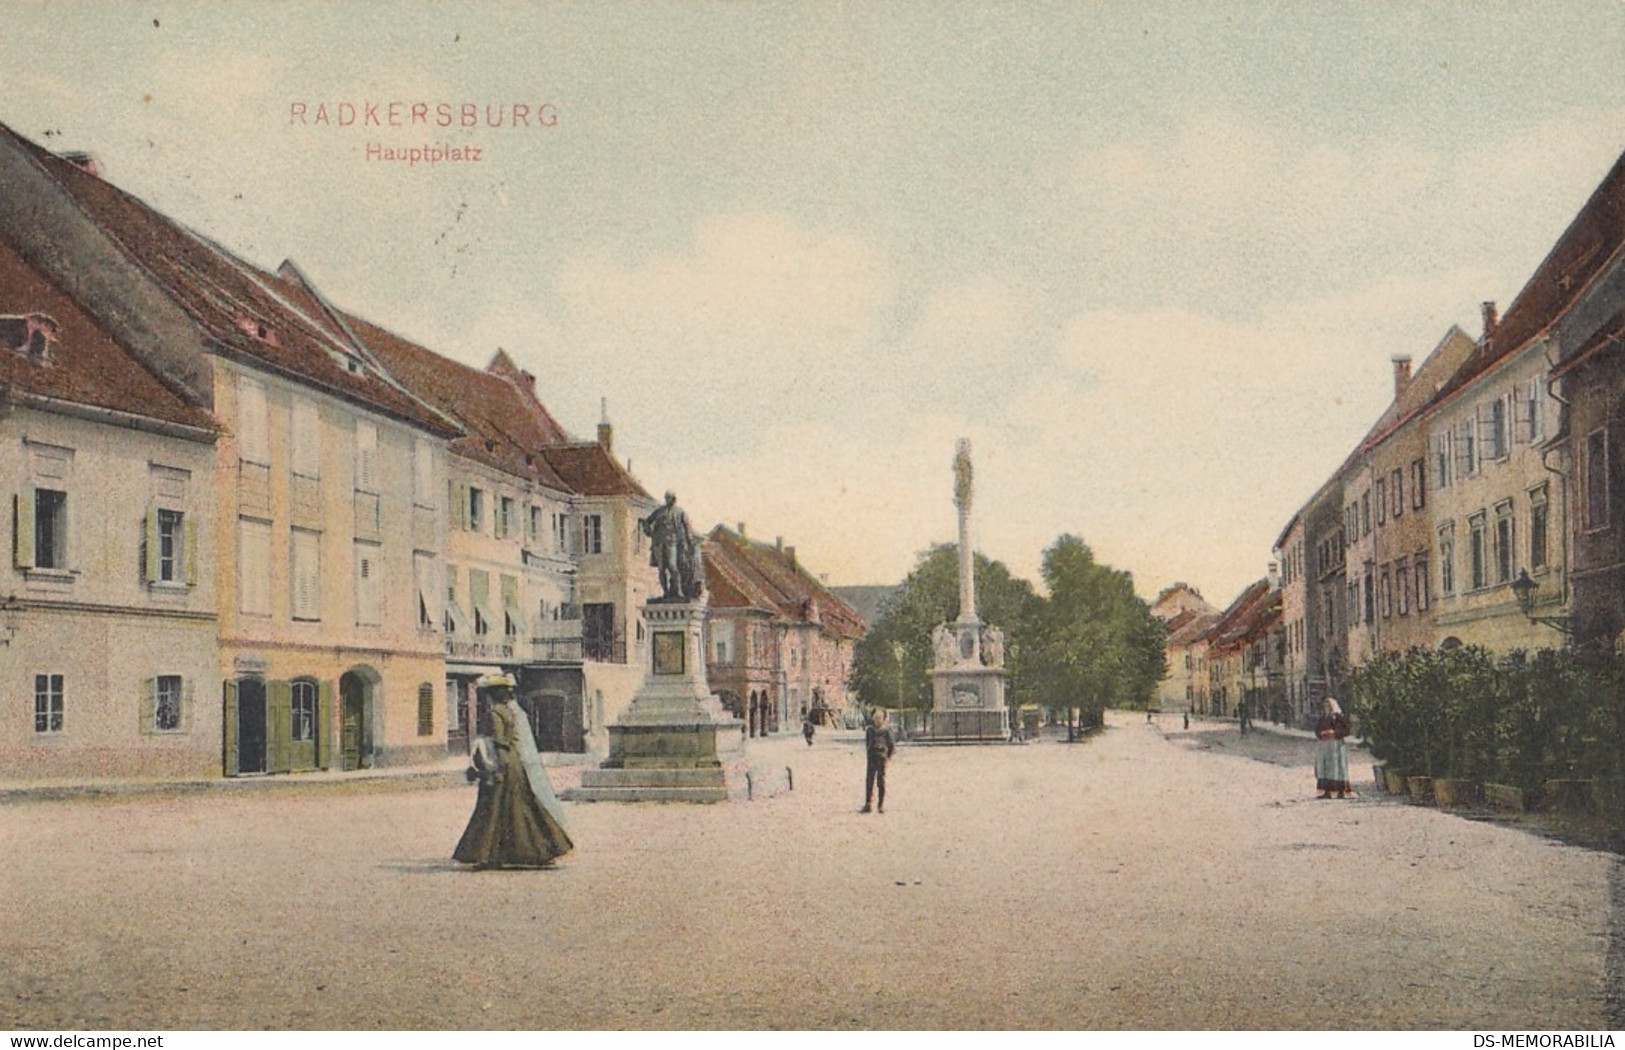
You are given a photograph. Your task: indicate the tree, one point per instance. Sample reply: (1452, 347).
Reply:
(928, 597)
(1094, 641)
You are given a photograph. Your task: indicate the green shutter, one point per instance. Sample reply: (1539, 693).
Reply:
(279, 727)
(23, 534)
(324, 724)
(189, 551)
(228, 701)
(149, 706)
(152, 556)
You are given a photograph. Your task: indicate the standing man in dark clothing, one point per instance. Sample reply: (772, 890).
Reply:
(879, 742)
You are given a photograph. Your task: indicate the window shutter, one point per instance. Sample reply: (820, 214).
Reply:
(189, 551)
(324, 718)
(228, 700)
(152, 552)
(279, 726)
(69, 549)
(464, 522)
(23, 534)
(454, 516)
(187, 702)
(149, 706)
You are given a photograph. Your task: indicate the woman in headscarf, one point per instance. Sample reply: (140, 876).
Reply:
(517, 819)
(1331, 760)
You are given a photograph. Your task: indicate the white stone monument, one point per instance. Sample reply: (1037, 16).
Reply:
(968, 679)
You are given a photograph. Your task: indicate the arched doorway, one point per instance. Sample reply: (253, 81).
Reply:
(355, 721)
(251, 725)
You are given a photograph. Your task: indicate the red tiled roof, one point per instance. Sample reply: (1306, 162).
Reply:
(1193, 631)
(1592, 238)
(591, 471)
(1232, 622)
(506, 427)
(86, 365)
(228, 299)
(758, 576)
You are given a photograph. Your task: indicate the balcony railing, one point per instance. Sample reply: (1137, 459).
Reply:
(557, 650)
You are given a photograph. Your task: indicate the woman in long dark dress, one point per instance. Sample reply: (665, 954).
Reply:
(517, 819)
(1331, 759)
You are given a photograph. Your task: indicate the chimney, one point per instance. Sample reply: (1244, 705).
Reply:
(778, 543)
(741, 530)
(1274, 575)
(529, 378)
(606, 433)
(790, 552)
(1402, 374)
(1489, 323)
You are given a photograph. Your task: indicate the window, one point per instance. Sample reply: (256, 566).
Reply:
(479, 596)
(1504, 549)
(513, 622)
(1423, 583)
(1365, 513)
(561, 533)
(254, 567)
(169, 551)
(422, 472)
(1442, 460)
(1537, 528)
(47, 703)
(474, 519)
(1370, 596)
(1596, 479)
(1492, 429)
(1447, 560)
(533, 523)
(253, 422)
(507, 523)
(305, 576)
(1396, 493)
(1419, 483)
(1402, 584)
(1478, 554)
(1530, 422)
(592, 534)
(302, 727)
(1387, 593)
(366, 456)
(423, 578)
(1382, 501)
(1466, 461)
(167, 696)
(722, 640)
(425, 709)
(50, 529)
(306, 439)
(368, 593)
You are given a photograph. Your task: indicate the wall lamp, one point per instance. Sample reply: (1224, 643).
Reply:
(1523, 588)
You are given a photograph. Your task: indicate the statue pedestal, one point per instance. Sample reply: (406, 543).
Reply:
(967, 698)
(675, 743)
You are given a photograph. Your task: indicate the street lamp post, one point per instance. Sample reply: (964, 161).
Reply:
(1523, 589)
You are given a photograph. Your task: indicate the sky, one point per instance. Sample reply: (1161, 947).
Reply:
(1152, 259)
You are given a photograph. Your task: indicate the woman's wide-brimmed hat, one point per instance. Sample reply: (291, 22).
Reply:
(494, 681)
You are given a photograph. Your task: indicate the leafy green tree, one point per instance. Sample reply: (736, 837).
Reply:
(928, 597)
(1094, 641)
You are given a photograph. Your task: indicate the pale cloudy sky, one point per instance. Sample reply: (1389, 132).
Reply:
(1153, 259)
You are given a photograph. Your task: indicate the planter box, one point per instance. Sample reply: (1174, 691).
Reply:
(1570, 796)
(1421, 788)
(1448, 792)
(1505, 797)
(1395, 782)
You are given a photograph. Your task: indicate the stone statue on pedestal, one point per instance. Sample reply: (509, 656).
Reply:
(993, 647)
(675, 551)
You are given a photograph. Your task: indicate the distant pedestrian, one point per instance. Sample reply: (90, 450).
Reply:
(1187, 718)
(1331, 760)
(879, 742)
(807, 730)
(1244, 717)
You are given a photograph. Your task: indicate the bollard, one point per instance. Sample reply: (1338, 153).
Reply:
(789, 778)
